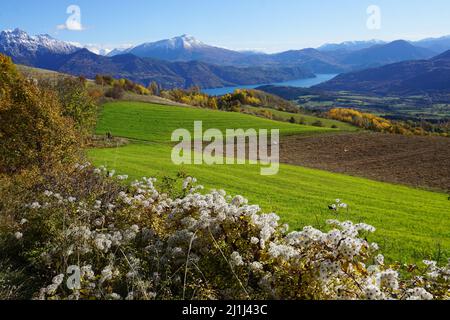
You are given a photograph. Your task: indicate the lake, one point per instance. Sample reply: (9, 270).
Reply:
(300, 83)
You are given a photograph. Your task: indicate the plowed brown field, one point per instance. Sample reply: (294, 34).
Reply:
(415, 161)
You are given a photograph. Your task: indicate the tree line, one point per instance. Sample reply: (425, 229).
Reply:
(373, 122)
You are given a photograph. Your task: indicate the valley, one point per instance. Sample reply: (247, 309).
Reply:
(433, 107)
(201, 152)
(298, 83)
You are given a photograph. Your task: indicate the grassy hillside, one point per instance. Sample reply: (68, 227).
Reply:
(156, 123)
(412, 224)
(306, 119)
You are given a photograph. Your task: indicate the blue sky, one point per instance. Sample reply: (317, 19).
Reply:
(267, 25)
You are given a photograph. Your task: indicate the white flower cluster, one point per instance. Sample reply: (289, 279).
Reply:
(418, 294)
(141, 239)
(338, 205)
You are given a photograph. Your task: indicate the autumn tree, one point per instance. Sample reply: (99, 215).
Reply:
(116, 92)
(154, 88)
(99, 80)
(33, 131)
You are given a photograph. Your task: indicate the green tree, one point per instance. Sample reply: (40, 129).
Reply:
(76, 103)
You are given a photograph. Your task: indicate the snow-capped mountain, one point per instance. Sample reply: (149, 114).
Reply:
(18, 40)
(182, 48)
(116, 52)
(36, 50)
(97, 49)
(183, 42)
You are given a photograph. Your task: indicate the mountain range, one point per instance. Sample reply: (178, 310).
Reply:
(39, 51)
(349, 45)
(403, 78)
(185, 61)
(438, 45)
(173, 74)
(348, 56)
(43, 51)
(383, 54)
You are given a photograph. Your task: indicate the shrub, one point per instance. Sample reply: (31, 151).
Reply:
(99, 80)
(317, 123)
(133, 242)
(116, 92)
(95, 94)
(302, 121)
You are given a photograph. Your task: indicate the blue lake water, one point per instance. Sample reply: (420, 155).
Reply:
(300, 83)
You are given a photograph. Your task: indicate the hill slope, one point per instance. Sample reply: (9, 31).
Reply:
(156, 123)
(174, 74)
(382, 54)
(409, 77)
(408, 229)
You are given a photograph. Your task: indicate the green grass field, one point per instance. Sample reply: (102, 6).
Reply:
(142, 121)
(411, 224)
(308, 120)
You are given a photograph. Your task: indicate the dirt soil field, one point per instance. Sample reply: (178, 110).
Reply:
(416, 161)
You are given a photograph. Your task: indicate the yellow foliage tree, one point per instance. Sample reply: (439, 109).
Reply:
(33, 131)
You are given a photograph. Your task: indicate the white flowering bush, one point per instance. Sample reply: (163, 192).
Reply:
(133, 242)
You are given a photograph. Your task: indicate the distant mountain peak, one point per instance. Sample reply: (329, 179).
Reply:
(19, 42)
(184, 41)
(400, 43)
(183, 48)
(443, 56)
(350, 45)
(15, 31)
(191, 41)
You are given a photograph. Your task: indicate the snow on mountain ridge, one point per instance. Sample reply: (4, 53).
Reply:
(350, 45)
(17, 40)
(182, 42)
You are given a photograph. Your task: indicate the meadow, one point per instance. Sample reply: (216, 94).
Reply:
(303, 118)
(411, 224)
(155, 123)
